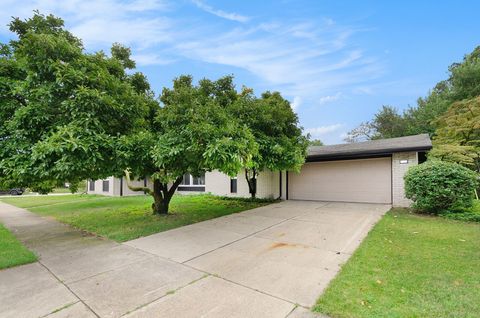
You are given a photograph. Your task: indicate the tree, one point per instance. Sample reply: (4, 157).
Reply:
(362, 132)
(62, 110)
(315, 142)
(192, 132)
(458, 134)
(281, 145)
(387, 123)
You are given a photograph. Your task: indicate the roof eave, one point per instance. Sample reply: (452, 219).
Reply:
(364, 154)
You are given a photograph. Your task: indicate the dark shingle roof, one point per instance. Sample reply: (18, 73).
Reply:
(372, 147)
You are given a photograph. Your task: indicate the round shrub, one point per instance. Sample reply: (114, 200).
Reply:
(437, 187)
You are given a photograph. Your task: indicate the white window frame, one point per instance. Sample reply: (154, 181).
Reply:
(190, 182)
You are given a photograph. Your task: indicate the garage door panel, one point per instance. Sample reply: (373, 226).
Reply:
(363, 180)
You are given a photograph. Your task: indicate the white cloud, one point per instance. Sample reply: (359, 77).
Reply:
(302, 60)
(329, 98)
(296, 102)
(307, 61)
(99, 23)
(220, 13)
(318, 132)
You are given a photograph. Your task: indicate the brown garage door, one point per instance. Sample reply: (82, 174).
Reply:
(360, 180)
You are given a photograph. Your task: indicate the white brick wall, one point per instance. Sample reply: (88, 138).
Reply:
(99, 187)
(219, 184)
(398, 171)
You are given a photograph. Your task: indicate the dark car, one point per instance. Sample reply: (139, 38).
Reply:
(14, 191)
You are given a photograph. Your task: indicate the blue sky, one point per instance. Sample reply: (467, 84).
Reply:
(336, 61)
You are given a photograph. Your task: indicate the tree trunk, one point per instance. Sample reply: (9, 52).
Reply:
(161, 193)
(162, 196)
(252, 182)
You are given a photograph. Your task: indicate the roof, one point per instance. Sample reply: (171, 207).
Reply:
(369, 148)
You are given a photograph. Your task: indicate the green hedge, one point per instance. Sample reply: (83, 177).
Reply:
(439, 187)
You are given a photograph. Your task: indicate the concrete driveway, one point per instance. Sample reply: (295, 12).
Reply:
(258, 263)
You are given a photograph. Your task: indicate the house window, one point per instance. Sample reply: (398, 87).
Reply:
(91, 185)
(105, 186)
(186, 179)
(200, 180)
(191, 183)
(233, 185)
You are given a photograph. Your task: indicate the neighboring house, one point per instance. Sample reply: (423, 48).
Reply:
(370, 172)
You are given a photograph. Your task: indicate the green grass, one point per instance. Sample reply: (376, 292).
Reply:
(127, 218)
(410, 266)
(12, 252)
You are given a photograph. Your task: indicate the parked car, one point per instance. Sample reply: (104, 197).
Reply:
(14, 191)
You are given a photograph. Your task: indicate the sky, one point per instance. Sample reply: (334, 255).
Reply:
(337, 62)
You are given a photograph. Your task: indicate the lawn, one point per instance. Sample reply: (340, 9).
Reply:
(12, 252)
(126, 218)
(410, 266)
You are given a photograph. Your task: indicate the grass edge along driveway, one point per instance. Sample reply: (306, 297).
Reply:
(409, 266)
(12, 252)
(126, 218)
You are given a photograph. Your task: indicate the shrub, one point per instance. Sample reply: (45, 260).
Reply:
(438, 187)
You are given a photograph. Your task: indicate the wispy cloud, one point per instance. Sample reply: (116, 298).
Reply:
(329, 98)
(101, 22)
(220, 13)
(318, 132)
(313, 63)
(303, 60)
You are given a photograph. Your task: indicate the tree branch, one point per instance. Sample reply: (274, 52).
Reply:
(174, 186)
(136, 188)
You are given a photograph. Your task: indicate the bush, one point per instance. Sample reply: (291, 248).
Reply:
(439, 187)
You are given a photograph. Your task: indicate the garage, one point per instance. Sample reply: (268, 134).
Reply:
(364, 172)
(363, 180)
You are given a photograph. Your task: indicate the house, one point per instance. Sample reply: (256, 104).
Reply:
(370, 172)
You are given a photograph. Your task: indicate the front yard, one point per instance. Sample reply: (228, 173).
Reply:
(12, 252)
(126, 218)
(410, 266)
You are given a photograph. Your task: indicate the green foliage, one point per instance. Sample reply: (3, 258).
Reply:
(275, 127)
(387, 123)
(44, 187)
(437, 187)
(471, 214)
(458, 134)
(67, 115)
(62, 110)
(315, 142)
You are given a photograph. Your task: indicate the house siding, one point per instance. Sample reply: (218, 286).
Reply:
(218, 183)
(398, 172)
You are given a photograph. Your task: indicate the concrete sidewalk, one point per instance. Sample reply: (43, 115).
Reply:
(258, 263)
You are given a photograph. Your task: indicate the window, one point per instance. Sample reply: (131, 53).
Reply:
(233, 185)
(186, 179)
(105, 185)
(191, 183)
(200, 180)
(91, 185)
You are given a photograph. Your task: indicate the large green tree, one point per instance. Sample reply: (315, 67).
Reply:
(281, 145)
(63, 109)
(192, 132)
(458, 134)
(387, 123)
